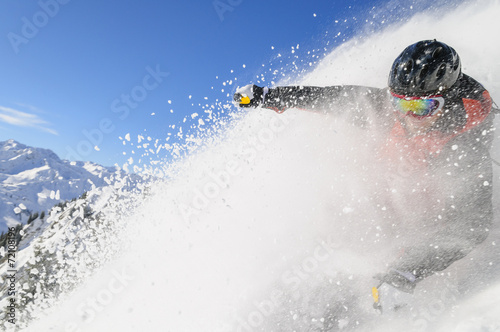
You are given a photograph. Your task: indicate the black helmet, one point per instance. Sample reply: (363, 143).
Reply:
(424, 68)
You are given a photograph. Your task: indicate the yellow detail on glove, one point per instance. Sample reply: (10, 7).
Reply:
(245, 100)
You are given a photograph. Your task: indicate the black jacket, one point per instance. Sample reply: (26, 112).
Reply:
(456, 149)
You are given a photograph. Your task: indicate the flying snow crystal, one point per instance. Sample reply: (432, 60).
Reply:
(347, 210)
(55, 194)
(127, 137)
(97, 148)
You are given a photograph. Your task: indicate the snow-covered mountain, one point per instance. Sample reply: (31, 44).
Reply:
(67, 216)
(33, 180)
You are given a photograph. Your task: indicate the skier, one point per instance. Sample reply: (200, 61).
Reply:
(435, 119)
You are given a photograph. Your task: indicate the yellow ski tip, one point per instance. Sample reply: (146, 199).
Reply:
(375, 294)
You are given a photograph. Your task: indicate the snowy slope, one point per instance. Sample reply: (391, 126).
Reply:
(60, 250)
(266, 229)
(33, 180)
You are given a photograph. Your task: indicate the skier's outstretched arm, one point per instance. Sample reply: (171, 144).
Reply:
(313, 98)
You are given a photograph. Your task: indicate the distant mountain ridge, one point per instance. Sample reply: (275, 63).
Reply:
(33, 180)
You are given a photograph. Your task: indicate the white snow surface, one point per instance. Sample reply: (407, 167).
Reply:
(275, 207)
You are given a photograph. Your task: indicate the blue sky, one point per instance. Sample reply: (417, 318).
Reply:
(77, 74)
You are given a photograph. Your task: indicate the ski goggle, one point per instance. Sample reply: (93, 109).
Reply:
(417, 106)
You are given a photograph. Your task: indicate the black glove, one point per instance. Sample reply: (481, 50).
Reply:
(404, 281)
(249, 96)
